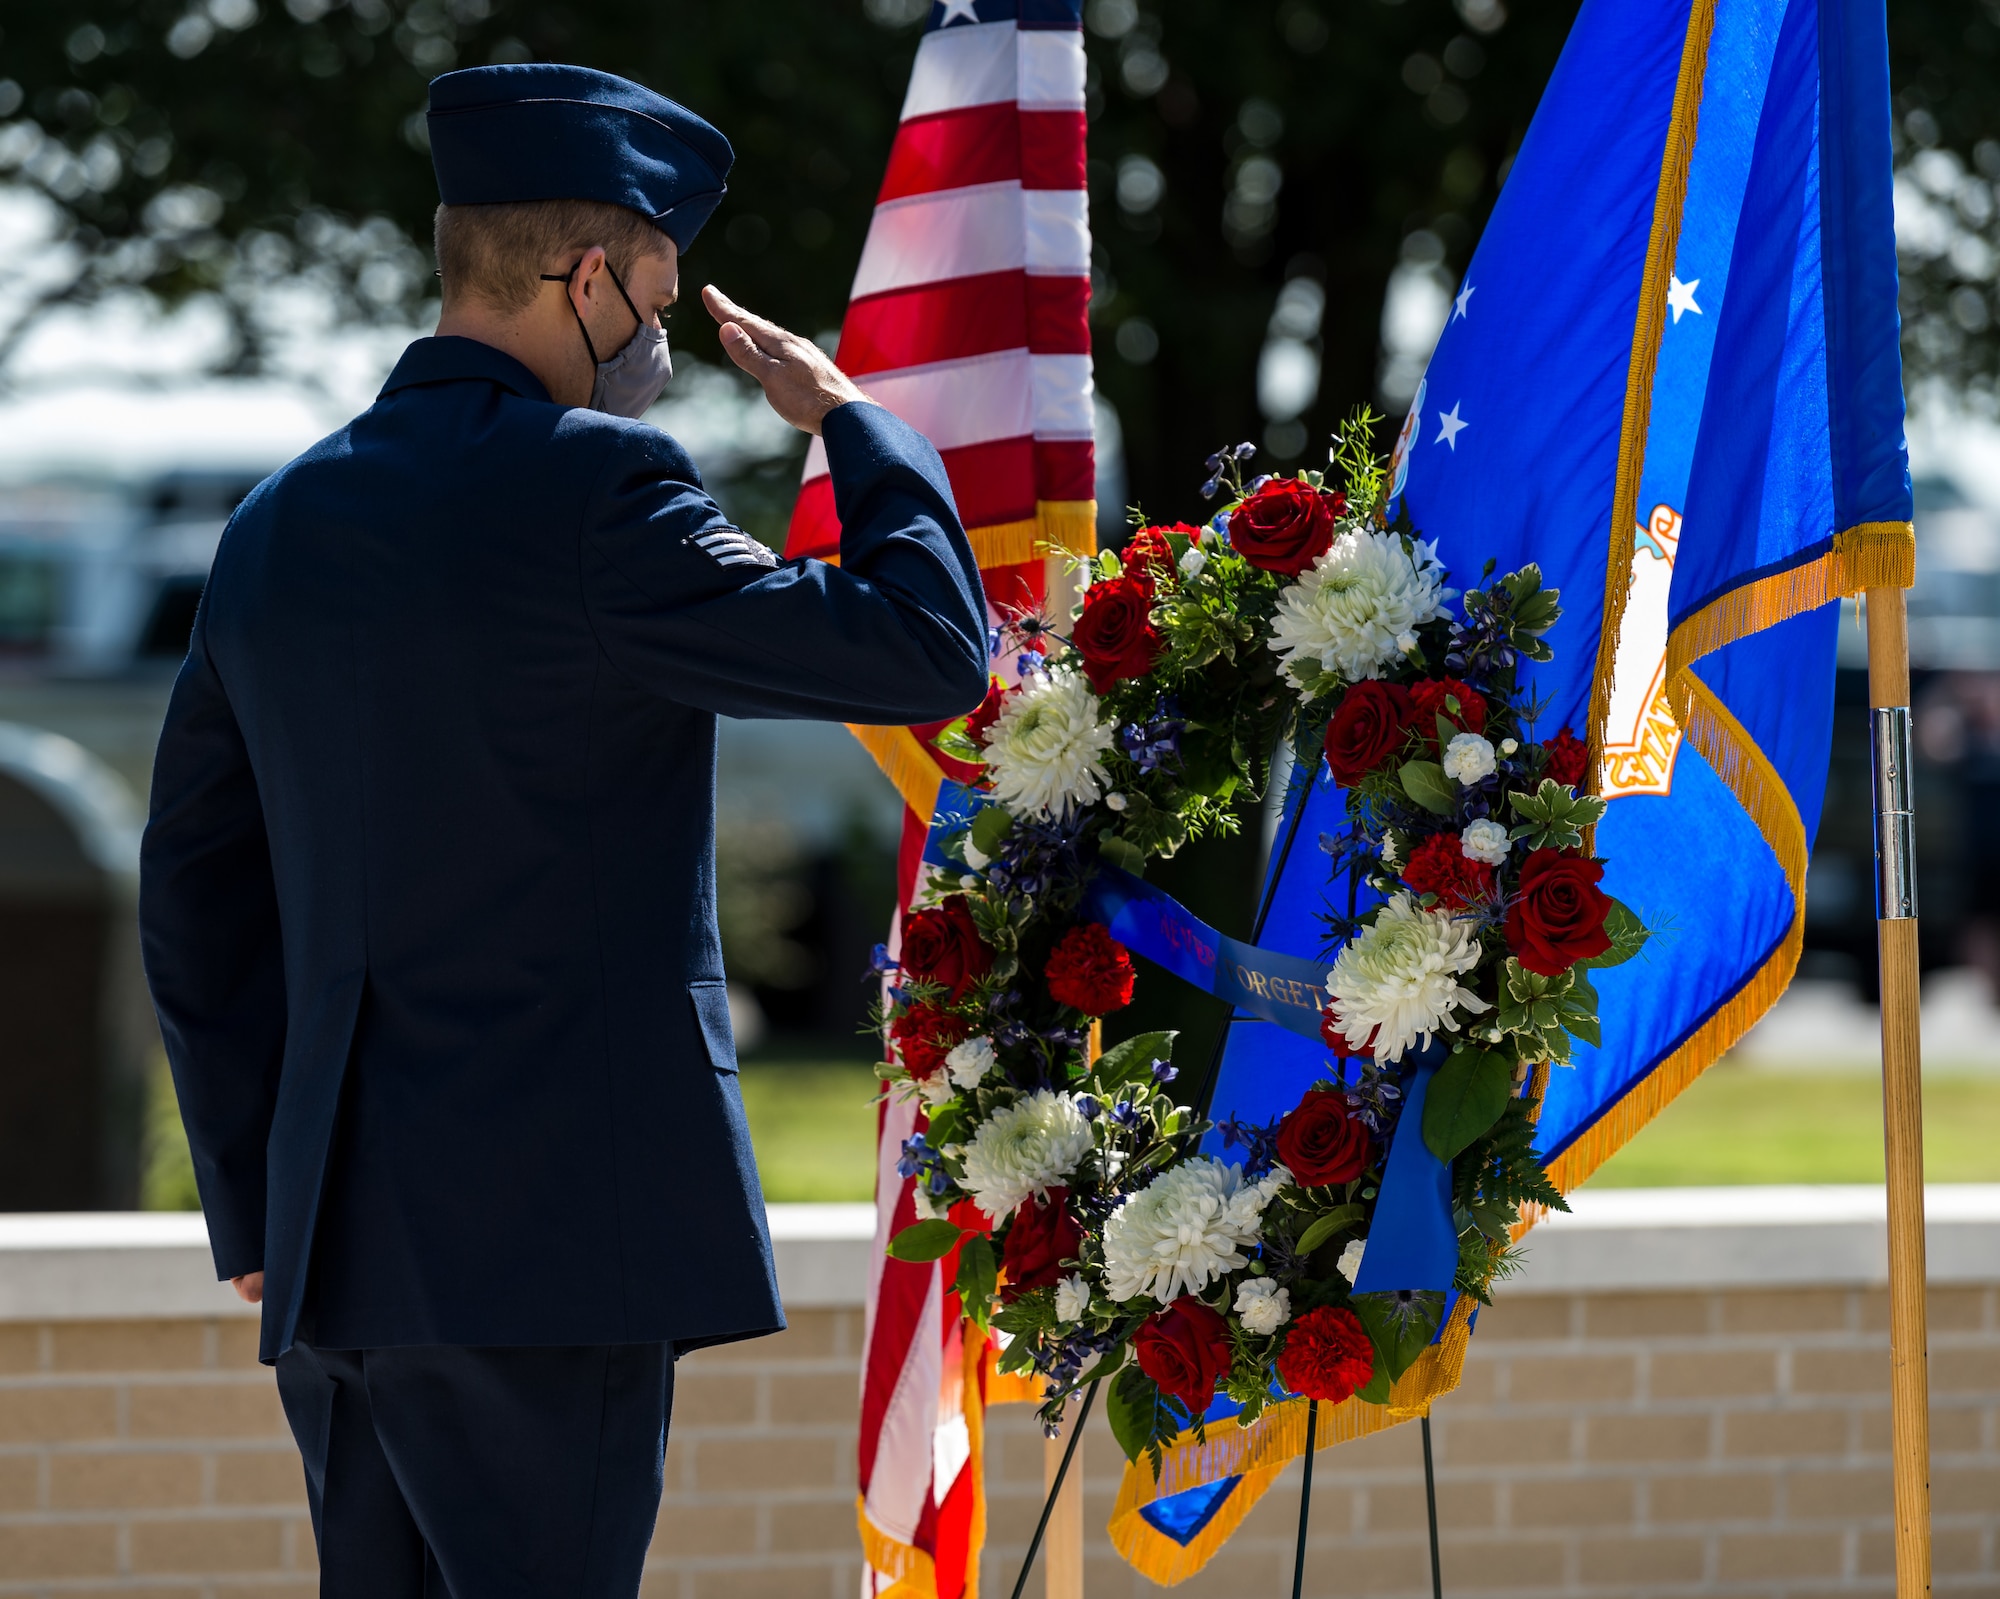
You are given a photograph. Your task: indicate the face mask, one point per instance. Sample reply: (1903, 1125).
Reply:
(628, 383)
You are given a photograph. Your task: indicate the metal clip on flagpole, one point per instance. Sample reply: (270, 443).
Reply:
(1902, 1081)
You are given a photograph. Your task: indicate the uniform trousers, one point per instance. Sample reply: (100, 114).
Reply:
(453, 1472)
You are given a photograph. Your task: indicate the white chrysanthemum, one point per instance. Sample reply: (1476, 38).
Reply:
(1045, 752)
(1024, 1148)
(1072, 1298)
(1397, 979)
(1351, 609)
(1469, 759)
(1184, 1229)
(969, 1062)
(1485, 841)
(1264, 1306)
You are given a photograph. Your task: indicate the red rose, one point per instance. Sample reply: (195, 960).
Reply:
(1185, 1349)
(1367, 728)
(1557, 919)
(1440, 866)
(1328, 1355)
(1322, 1141)
(1568, 758)
(1149, 559)
(1089, 969)
(1427, 704)
(980, 722)
(942, 945)
(1043, 1236)
(924, 1035)
(1115, 634)
(1285, 526)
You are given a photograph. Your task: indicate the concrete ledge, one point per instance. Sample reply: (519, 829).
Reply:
(125, 1265)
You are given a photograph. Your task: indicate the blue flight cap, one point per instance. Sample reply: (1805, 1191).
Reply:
(545, 132)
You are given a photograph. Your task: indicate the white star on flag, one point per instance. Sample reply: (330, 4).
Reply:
(1680, 297)
(1463, 299)
(1449, 427)
(957, 11)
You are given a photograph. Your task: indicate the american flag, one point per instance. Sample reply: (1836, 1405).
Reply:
(968, 318)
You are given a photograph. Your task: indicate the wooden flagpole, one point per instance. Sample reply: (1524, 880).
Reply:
(1902, 1084)
(1064, 1542)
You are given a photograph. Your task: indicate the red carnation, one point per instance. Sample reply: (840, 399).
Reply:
(1322, 1141)
(1440, 866)
(1567, 758)
(1185, 1349)
(1043, 1236)
(1328, 1355)
(924, 1035)
(1557, 918)
(1367, 728)
(980, 722)
(1427, 704)
(1149, 559)
(1285, 526)
(967, 1217)
(1115, 634)
(942, 945)
(1090, 970)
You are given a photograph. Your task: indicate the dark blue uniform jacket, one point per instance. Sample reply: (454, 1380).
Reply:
(428, 891)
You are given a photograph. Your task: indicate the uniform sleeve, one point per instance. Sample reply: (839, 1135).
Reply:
(687, 605)
(208, 926)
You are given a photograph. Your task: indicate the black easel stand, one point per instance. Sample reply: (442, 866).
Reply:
(1055, 1489)
(1305, 1499)
(1431, 1504)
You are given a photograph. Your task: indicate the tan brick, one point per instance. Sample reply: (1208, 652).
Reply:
(1814, 1310)
(1755, 1434)
(720, 1400)
(701, 1531)
(259, 1477)
(1375, 1571)
(148, 1591)
(1956, 1550)
(300, 1587)
(1720, 1496)
(1502, 1441)
(129, 1345)
(758, 1465)
(1251, 1570)
(1644, 1315)
(1650, 1561)
(1664, 1437)
(123, 1481)
(1571, 1501)
(1720, 1373)
(1947, 1309)
(236, 1339)
(68, 1549)
(812, 1335)
(209, 1544)
(1526, 1316)
(57, 1415)
(813, 1528)
(1535, 1563)
(20, 1482)
(20, 1347)
(1823, 1495)
(1746, 1556)
(1965, 1371)
(1475, 1385)
(1398, 1451)
(803, 1581)
(1571, 1379)
(1840, 1371)
(1965, 1489)
(809, 1401)
(216, 1409)
(1955, 1429)
(1466, 1505)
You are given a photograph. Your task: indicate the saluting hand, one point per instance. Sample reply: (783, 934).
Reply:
(798, 377)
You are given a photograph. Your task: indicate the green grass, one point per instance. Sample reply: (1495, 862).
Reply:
(813, 1122)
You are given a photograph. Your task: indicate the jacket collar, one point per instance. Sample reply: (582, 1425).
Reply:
(455, 360)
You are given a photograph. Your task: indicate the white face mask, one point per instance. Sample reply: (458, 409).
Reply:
(628, 383)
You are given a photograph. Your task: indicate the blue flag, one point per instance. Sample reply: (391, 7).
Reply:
(1671, 378)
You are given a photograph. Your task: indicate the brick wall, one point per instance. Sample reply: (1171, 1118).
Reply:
(1711, 1443)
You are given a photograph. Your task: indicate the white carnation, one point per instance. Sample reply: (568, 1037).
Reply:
(1350, 1259)
(1351, 610)
(1193, 560)
(1263, 1305)
(969, 1062)
(928, 1206)
(975, 857)
(1045, 752)
(1072, 1298)
(1184, 1229)
(936, 1089)
(1469, 758)
(1025, 1148)
(1397, 979)
(1485, 841)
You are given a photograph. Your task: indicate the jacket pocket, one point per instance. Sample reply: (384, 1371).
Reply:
(711, 1014)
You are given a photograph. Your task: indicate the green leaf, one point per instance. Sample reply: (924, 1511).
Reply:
(1627, 933)
(1426, 784)
(1375, 1391)
(926, 1240)
(1401, 1324)
(1466, 1097)
(1554, 818)
(990, 828)
(1113, 1359)
(947, 1125)
(1116, 850)
(1324, 1227)
(1132, 1406)
(1132, 1058)
(978, 1276)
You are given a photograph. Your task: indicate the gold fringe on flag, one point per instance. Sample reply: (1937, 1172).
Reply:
(905, 762)
(1058, 526)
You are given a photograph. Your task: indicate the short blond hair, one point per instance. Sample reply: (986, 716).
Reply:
(497, 253)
